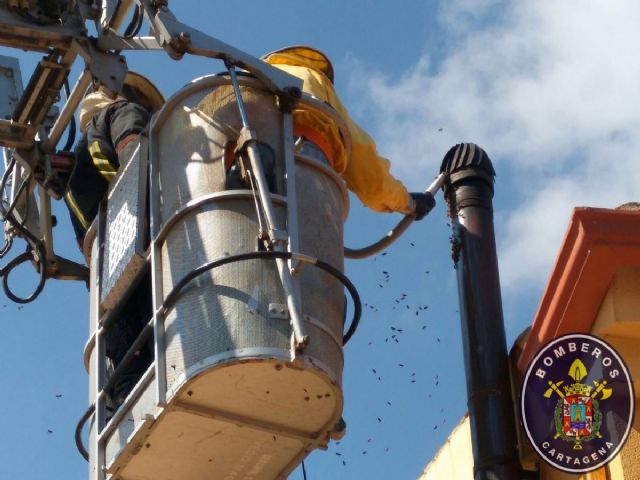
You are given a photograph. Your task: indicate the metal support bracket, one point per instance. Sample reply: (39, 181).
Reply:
(278, 311)
(177, 39)
(108, 68)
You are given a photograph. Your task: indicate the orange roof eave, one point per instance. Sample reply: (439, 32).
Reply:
(598, 242)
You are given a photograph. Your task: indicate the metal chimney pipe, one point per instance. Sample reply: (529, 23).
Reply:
(469, 194)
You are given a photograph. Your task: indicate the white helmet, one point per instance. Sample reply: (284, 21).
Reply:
(135, 88)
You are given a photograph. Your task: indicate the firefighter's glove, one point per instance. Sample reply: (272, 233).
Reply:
(422, 204)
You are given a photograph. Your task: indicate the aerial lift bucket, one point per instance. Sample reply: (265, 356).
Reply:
(228, 396)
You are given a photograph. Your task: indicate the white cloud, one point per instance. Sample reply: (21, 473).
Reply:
(550, 89)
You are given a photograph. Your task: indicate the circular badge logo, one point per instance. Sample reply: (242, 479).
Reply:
(577, 403)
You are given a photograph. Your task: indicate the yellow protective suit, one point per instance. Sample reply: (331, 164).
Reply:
(365, 171)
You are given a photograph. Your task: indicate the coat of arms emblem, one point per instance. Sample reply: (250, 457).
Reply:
(577, 414)
(577, 403)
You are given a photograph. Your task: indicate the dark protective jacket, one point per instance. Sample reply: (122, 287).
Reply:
(97, 162)
(98, 157)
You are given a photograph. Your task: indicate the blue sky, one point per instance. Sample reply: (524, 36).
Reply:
(549, 89)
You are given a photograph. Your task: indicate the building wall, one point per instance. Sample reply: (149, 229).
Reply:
(630, 457)
(454, 460)
(618, 323)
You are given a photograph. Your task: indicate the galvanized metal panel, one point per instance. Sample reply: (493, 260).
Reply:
(10, 85)
(124, 247)
(227, 308)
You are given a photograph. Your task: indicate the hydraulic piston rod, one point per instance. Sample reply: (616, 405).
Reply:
(276, 236)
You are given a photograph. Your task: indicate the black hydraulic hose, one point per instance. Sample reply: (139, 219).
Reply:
(3, 183)
(179, 287)
(357, 306)
(78, 433)
(34, 242)
(5, 214)
(173, 296)
(6, 247)
(24, 257)
(71, 138)
(5, 176)
(135, 25)
(8, 240)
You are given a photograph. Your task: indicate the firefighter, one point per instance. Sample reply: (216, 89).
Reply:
(365, 172)
(111, 126)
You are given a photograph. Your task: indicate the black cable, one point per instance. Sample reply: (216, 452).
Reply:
(8, 243)
(78, 433)
(3, 183)
(35, 244)
(5, 214)
(175, 292)
(357, 306)
(5, 176)
(8, 239)
(27, 256)
(71, 138)
(4, 272)
(32, 241)
(136, 23)
(304, 471)
(136, 32)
